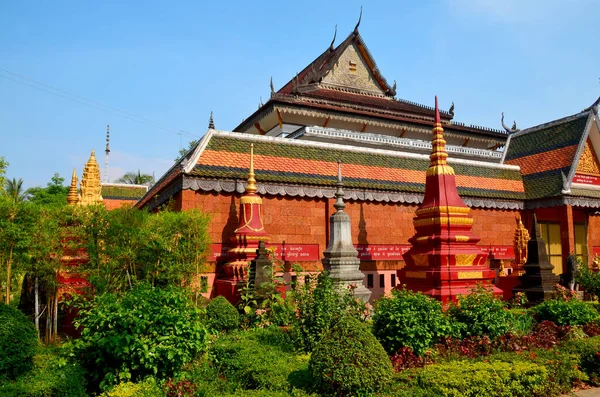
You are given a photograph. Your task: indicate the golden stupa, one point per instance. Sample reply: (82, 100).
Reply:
(91, 186)
(73, 196)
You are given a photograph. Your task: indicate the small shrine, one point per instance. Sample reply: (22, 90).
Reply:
(246, 238)
(444, 260)
(341, 258)
(538, 281)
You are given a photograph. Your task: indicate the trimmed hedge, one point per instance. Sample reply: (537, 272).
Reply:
(221, 315)
(18, 342)
(349, 360)
(565, 312)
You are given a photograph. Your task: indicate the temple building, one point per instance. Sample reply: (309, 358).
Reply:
(341, 108)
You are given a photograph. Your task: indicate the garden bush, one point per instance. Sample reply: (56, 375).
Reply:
(588, 351)
(474, 379)
(18, 341)
(410, 319)
(222, 315)
(145, 332)
(318, 305)
(349, 360)
(481, 313)
(565, 312)
(147, 388)
(53, 374)
(260, 358)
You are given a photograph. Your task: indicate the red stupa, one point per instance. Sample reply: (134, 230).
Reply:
(249, 232)
(444, 260)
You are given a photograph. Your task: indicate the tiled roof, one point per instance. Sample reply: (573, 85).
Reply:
(545, 152)
(123, 191)
(226, 156)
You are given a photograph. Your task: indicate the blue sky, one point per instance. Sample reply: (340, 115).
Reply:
(174, 62)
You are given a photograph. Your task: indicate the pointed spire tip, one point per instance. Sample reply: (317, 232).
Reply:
(437, 111)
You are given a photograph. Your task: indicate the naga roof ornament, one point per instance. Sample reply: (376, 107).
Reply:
(358, 23)
(509, 130)
(331, 48)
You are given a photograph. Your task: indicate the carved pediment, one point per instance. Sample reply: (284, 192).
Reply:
(588, 163)
(352, 71)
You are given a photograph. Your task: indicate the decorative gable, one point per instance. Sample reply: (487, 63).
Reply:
(352, 71)
(588, 163)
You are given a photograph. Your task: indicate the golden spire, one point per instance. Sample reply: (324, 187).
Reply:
(72, 196)
(251, 186)
(438, 165)
(91, 187)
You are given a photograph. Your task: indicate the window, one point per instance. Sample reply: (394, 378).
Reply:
(393, 283)
(581, 242)
(550, 233)
(369, 281)
(382, 280)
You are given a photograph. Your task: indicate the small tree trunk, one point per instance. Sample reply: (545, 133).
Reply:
(8, 269)
(55, 315)
(36, 305)
(48, 322)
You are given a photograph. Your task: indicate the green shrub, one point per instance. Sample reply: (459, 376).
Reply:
(147, 388)
(565, 312)
(588, 351)
(481, 313)
(588, 280)
(145, 332)
(318, 305)
(18, 341)
(410, 319)
(260, 358)
(521, 321)
(474, 379)
(349, 360)
(222, 315)
(53, 374)
(562, 366)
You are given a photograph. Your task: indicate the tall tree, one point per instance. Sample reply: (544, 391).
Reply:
(183, 152)
(55, 193)
(14, 190)
(3, 167)
(136, 178)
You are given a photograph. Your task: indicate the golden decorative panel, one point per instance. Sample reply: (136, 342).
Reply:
(444, 210)
(421, 260)
(465, 259)
(416, 275)
(442, 220)
(465, 275)
(352, 71)
(461, 238)
(588, 163)
(251, 200)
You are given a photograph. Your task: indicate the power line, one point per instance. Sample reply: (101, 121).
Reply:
(91, 103)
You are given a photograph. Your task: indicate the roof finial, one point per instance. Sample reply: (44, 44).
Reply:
(536, 228)
(272, 87)
(211, 122)
(437, 111)
(339, 193)
(358, 23)
(451, 111)
(251, 186)
(333, 41)
(509, 130)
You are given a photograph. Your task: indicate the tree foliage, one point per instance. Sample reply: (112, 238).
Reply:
(14, 189)
(183, 152)
(55, 193)
(18, 341)
(3, 166)
(136, 178)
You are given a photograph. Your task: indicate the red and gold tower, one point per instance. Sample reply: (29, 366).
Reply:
(444, 260)
(245, 240)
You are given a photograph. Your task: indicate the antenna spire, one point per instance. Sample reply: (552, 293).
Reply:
(106, 153)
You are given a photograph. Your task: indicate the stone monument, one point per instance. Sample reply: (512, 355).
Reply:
(341, 258)
(538, 281)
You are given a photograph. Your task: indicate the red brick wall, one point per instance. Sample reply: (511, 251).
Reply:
(494, 227)
(111, 204)
(594, 231)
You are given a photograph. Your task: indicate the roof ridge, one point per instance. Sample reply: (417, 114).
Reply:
(566, 119)
(346, 148)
